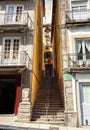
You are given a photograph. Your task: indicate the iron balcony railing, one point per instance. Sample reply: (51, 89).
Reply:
(15, 19)
(76, 60)
(77, 16)
(20, 58)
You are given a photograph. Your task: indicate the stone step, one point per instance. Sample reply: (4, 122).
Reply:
(48, 120)
(49, 116)
(49, 108)
(51, 119)
(24, 105)
(50, 103)
(45, 112)
(38, 104)
(24, 110)
(55, 111)
(49, 98)
(23, 115)
(44, 106)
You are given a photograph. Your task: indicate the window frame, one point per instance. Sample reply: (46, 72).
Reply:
(11, 48)
(14, 13)
(83, 53)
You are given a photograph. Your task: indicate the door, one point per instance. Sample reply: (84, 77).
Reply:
(9, 14)
(85, 103)
(11, 50)
(49, 70)
(8, 96)
(14, 14)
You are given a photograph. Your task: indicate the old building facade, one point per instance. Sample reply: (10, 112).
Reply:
(18, 35)
(75, 42)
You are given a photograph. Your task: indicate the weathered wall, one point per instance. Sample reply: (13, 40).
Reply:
(37, 57)
(70, 112)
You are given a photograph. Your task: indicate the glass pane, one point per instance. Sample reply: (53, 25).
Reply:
(15, 48)
(86, 93)
(18, 13)
(7, 49)
(10, 13)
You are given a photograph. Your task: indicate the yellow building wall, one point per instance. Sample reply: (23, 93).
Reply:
(58, 44)
(37, 56)
(57, 47)
(44, 47)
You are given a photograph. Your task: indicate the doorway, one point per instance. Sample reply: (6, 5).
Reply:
(7, 96)
(85, 103)
(49, 70)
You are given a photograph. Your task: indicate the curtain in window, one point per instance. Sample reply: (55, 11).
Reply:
(78, 45)
(87, 44)
(79, 48)
(87, 49)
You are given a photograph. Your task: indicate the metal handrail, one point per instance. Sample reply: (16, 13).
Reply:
(76, 60)
(16, 18)
(79, 15)
(12, 58)
(30, 22)
(47, 97)
(29, 66)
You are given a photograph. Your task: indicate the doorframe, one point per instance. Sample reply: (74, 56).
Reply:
(80, 78)
(81, 99)
(18, 89)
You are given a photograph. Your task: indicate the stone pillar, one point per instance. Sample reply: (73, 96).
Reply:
(70, 114)
(25, 109)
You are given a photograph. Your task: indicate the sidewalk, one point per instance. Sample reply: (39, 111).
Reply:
(10, 121)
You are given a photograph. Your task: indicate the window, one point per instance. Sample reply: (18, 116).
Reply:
(81, 5)
(47, 57)
(79, 10)
(14, 13)
(83, 48)
(48, 43)
(11, 49)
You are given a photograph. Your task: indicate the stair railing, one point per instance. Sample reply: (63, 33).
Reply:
(47, 97)
(29, 65)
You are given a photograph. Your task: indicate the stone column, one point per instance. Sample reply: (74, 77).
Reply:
(25, 109)
(70, 114)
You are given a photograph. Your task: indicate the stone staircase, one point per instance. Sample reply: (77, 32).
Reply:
(48, 106)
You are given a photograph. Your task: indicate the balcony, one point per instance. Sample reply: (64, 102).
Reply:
(77, 62)
(15, 21)
(78, 17)
(14, 61)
